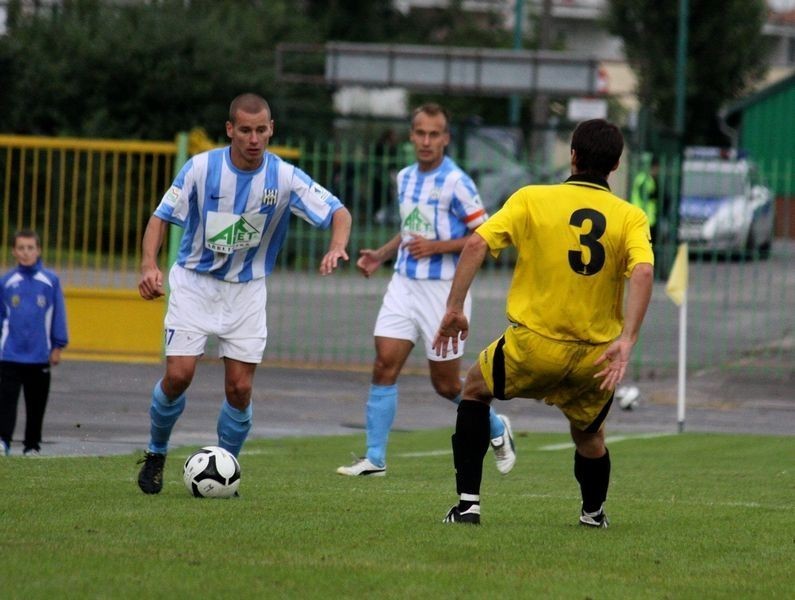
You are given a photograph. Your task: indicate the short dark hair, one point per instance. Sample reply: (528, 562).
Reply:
(432, 109)
(26, 233)
(248, 103)
(598, 145)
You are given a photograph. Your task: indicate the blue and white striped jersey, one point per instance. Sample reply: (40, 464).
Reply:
(442, 204)
(236, 221)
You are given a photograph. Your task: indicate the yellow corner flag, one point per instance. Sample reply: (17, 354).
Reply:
(676, 288)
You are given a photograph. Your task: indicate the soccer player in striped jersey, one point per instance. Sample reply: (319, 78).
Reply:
(570, 337)
(439, 207)
(234, 204)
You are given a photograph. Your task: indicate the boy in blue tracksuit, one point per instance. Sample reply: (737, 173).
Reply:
(32, 334)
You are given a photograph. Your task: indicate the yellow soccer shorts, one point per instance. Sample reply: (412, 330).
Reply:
(523, 364)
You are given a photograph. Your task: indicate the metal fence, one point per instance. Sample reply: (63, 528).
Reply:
(90, 201)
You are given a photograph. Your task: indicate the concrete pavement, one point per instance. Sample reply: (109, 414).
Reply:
(102, 408)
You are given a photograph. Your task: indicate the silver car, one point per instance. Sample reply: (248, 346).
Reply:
(725, 207)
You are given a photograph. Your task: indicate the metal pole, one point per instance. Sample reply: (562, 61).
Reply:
(541, 101)
(682, 367)
(679, 122)
(681, 70)
(515, 101)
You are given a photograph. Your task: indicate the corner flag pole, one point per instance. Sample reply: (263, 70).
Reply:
(680, 396)
(676, 289)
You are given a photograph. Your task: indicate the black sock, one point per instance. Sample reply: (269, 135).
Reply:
(470, 443)
(593, 475)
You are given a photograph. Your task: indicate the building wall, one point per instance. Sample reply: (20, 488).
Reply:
(768, 127)
(767, 132)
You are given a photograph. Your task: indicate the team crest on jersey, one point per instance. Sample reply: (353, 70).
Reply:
(435, 194)
(270, 196)
(226, 232)
(172, 195)
(320, 191)
(41, 301)
(15, 300)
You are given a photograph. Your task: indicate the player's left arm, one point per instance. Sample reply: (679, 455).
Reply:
(340, 234)
(59, 337)
(55, 356)
(419, 247)
(468, 209)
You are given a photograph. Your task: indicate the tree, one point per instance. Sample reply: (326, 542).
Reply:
(374, 21)
(142, 70)
(726, 54)
(111, 69)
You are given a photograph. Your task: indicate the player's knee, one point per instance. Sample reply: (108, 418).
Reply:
(589, 445)
(238, 394)
(476, 389)
(176, 382)
(385, 373)
(447, 389)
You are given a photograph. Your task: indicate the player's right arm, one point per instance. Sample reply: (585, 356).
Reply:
(618, 353)
(370, 260)
(455, 323)
(150, 286)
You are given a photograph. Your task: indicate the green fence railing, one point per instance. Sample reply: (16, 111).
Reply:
(91, 202)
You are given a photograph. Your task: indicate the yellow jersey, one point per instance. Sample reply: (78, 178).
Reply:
(576, 243)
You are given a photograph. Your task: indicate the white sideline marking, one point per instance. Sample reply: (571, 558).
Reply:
(672, 502)
(609, 440)
(564, 446)
(258, 451)
(424, 454)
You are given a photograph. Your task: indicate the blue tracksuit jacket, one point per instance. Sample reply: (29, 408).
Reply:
(32, 315)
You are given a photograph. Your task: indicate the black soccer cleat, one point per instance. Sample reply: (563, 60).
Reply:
(150, 478)
(471, 516)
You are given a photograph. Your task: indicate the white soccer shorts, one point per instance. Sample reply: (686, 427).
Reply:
(414, 308)
(200, 306)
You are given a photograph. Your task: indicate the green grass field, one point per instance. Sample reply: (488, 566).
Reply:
(693, 516)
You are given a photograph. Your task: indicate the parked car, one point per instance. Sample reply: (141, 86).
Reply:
(724, 205)
(492, 161)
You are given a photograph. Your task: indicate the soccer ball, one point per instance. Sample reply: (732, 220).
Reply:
(211, 472)
(627, 396)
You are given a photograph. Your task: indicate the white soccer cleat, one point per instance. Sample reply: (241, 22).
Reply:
(627, 396)
(362, 467)
(504, 449)
(597, 520)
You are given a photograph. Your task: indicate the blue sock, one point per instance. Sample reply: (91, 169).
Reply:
(233, 427)
(496, 426)
(379, 415)
(163, 414)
